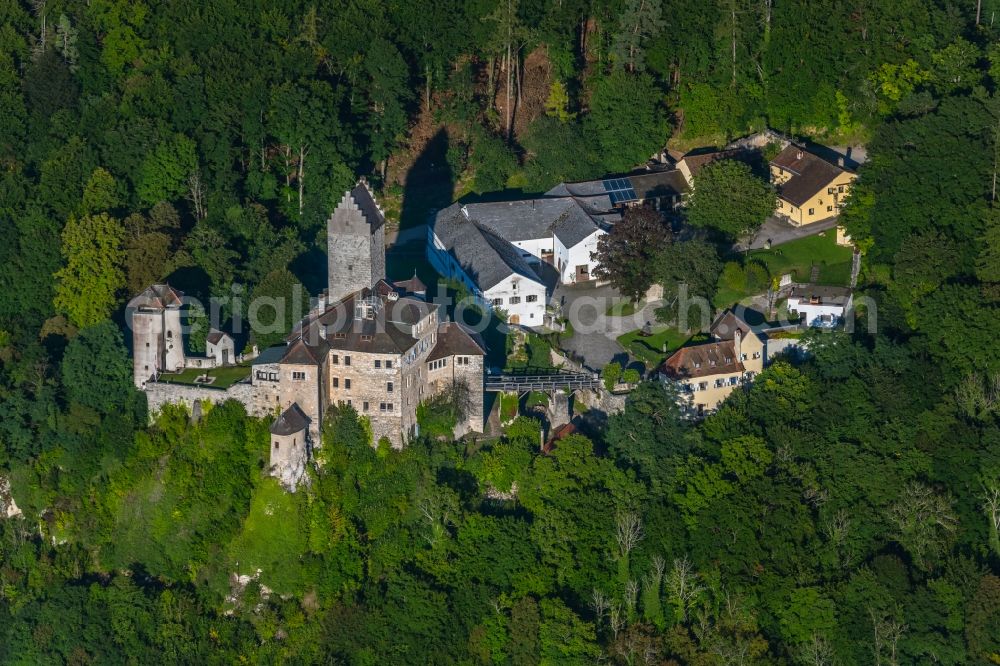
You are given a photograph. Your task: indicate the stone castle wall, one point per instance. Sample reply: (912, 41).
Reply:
(159, 394)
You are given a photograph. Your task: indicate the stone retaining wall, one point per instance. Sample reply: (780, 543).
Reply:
(159, 394)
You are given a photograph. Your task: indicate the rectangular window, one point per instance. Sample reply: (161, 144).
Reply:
(347, 384)
(381, 406)
(335, 360)
(365, 338)
(829, 209)
(299, 376)
(388, 406)
(378, 363)
(336, 382)
(388, 387)
(829, 190)
(347, 360)
(812, 211)
(514, 300)
(498, 301)
(388, 364)
(339, 336)
(531, 298)
(364, 406)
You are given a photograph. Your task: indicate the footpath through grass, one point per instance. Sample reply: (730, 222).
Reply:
(798, 258)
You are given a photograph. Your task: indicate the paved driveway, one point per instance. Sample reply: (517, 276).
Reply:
(594, 332)
(779, 231)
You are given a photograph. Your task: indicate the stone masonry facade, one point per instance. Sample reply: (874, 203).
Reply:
(371, 344)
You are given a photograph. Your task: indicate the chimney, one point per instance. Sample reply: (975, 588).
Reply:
(798, 155)
(840, 161)
(738, 343)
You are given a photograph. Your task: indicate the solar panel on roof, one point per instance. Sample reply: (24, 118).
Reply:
(619, 190)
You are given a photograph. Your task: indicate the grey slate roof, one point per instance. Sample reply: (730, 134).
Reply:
(291, 421)
(485, 257)
(530, 219)
(362, 196)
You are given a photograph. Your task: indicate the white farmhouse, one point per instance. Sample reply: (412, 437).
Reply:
(818, 306)
(493, 270)
(511, 253)
(556, 232)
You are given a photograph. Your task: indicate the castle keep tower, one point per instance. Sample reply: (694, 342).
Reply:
(157, 342)
(355, 244)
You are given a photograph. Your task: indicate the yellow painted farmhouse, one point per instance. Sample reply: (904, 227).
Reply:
(810, 189)
(706, 374)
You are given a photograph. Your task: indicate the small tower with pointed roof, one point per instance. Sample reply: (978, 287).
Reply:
(355, 243)
(289, 446)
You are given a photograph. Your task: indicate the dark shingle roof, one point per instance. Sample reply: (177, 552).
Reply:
(454, 340)
(388, 332)
(270, 355)
(726, 325)
(810, 174)
(412, 286)
(697, 160)
(215, 336)
(713, 358)
(659, 184)
(158, 296)
(291, 421)
(824, 295)
(299, 352)
(486, 257)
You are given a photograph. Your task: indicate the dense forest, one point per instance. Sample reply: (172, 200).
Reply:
(843, 510)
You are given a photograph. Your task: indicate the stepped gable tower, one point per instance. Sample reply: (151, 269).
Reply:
(355, 243)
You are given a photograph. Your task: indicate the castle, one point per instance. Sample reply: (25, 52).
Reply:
(376, 345)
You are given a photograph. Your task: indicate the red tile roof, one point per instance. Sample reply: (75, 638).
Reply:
(713, 358)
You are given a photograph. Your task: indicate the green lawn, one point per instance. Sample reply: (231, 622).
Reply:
(224, 377)
(650, 350)
(798, 258)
